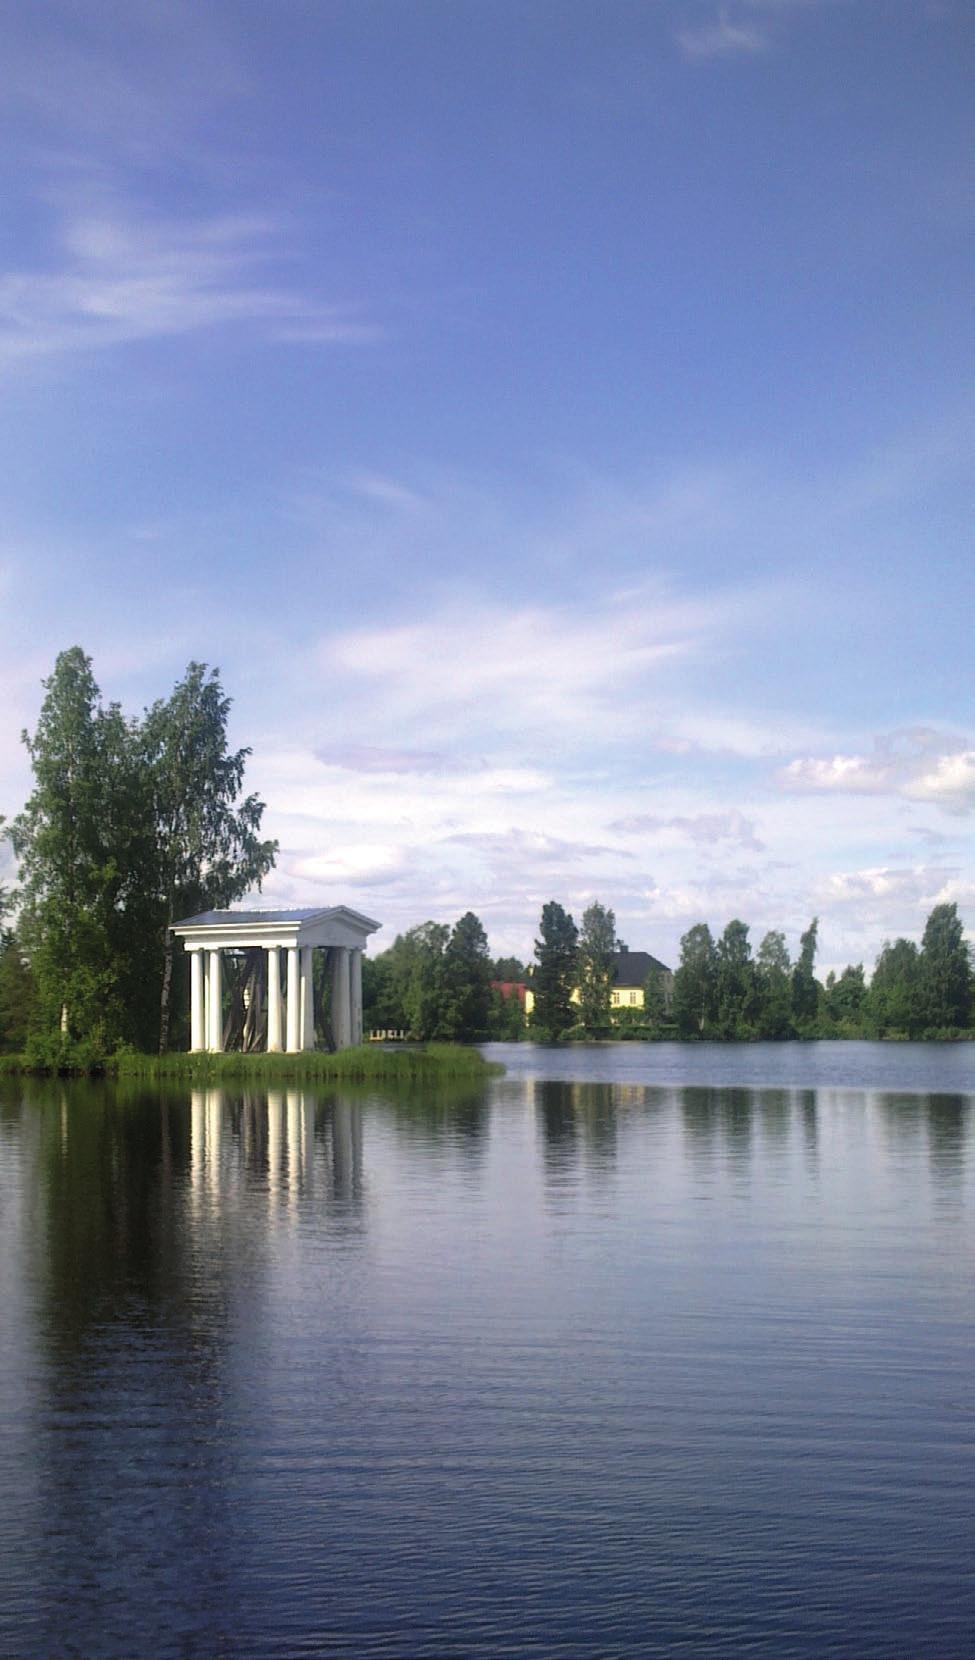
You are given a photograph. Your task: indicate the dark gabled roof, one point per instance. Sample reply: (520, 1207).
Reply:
(215, 917)
(630, 968)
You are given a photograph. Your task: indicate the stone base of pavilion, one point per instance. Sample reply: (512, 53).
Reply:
(287, 942)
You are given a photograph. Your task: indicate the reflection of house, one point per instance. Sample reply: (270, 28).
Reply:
(631, 971)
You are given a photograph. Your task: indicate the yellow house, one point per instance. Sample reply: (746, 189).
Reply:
(631, 969)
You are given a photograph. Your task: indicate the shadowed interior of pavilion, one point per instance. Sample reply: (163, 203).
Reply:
(275, 980)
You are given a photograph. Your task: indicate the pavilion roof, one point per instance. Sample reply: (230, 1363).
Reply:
(222, 918)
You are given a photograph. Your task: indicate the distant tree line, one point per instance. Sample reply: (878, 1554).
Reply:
(131, 824)
(437, 982)
(722, 991)
(440, 984)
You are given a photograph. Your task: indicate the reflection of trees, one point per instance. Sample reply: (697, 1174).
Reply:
(453, 1113)
(579, 1118)
(939, 1119)
(774, 1109)
(718, 1116)
(810, 1121)
(132, 1303)
(947, 1132)
(111, 1166)
(902, 1117)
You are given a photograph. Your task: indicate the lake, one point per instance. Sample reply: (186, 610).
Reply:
(639, 1349)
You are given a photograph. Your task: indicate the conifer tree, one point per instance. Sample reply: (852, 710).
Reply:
(555, 970)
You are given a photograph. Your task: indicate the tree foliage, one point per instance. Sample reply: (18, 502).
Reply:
(894, 1000)
(596, 950)
(208, 848)
(735, 984)
(127, 822)
(467, 966)
(773, 975)
(434, 983)
(805, 988)
(945, 971)
(554, 976)
(695, 982)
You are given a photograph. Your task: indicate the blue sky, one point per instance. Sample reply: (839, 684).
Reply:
(555, 420)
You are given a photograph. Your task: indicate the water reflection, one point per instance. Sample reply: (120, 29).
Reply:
(457, 1118)
(580, 1121)
(948, 1125)
(291, 1145)
(292, 1367)
(718, 1120)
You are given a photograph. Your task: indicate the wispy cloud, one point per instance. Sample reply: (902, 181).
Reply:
(720, 37)
(117, 278)
(702, 829)
(538, 848)
(474, 669)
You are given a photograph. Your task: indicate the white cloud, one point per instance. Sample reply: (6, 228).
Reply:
(950, 781)
(916, 764)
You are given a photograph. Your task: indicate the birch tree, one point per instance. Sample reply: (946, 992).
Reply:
(208, 846)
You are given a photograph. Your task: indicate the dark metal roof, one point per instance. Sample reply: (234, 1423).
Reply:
(224, 917)
(630, 968)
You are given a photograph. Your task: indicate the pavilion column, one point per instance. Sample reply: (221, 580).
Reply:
(294, 1002)
(341, 998)
(306, 1035)
(215, 979)
(274, 999)
(198, 1033)
(355, 993)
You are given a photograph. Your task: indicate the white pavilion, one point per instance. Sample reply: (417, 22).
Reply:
(287, 940)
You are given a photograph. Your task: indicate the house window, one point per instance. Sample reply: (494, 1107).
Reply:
(615, 998)
(632, 999)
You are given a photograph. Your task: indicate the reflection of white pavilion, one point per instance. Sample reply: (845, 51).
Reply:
(283, 942)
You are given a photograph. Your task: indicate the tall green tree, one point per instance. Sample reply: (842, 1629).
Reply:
(735, 982)
(805, 986)
(695, 982)
(894, 1001)
(208, 846)
(773, 975)
(467, 969)
(415, 997)
(78, 841)
(945, 971)
(555, 970)
(595, 952)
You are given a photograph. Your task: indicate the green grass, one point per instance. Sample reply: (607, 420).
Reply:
(427, 1063)
(431, 1063)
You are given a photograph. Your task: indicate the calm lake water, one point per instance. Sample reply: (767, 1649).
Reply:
(637, 1350)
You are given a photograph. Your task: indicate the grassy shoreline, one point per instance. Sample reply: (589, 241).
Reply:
(427, 1063)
